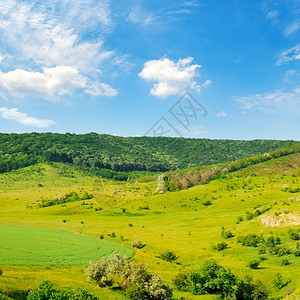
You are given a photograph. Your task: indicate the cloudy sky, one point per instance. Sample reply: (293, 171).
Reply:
(193, 68)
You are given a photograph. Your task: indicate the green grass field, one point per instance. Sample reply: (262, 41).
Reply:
(176, 221)
(49, 247)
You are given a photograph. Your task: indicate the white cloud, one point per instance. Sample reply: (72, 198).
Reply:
(182, 11)
(170, 77)
(206, 83)
(288, 74)
(289, 55)
(190, 3)
(101, 89)
(292, 28)
(23, 118)
(138, 16)
(33, 33)
(221, 114)
(277, 101)
(60, 80)
(273, 14)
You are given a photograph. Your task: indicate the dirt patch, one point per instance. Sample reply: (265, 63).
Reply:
(281, 220)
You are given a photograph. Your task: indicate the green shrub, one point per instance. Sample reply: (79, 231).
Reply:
(251, 240)
(136, 292)
(285, 262)
(279, 282)
(273, 241)
(113, 235)
(138, 244)
(294, 235)
(211, 278)
(101, 237)
(239, 220)
(181, 281)
(131, 277)
(207, 203)
(249, 290)
(168, 256)
(253, 264)
(249, 215)
(227, 234)
(280, 251)
(45, 291)
(297, 252)
(221, 246)
(1, 272)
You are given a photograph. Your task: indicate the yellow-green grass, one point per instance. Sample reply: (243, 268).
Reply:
(176, 221)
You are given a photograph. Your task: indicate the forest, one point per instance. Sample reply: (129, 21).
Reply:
(113, 156)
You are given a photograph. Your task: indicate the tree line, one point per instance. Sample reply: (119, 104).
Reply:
(114, 156)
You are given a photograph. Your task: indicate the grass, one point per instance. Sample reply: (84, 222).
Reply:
(176, 221)
(49, 247)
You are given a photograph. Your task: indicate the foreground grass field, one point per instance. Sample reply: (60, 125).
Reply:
(48, 247)
(183, 222)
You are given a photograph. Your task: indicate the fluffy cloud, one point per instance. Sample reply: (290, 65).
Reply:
(49, 38)
(62, 37)
(277, 101)
(170, 77)
(138, 16)
(292, 28)
(289, 55)
(60, 80)
(221, 114)
(101, 89)
(23, 118)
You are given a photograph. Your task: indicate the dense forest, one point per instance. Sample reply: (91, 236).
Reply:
(112, 156)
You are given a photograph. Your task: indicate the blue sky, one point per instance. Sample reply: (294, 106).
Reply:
(230, 69)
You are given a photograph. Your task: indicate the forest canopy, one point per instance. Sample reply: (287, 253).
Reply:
(109, 155)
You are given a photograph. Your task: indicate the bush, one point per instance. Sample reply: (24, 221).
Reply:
(280, 251)
(285, 262)
(207, 203)
(131, 277)
(251, 240)
(168, 256)
(113, 235)
(221, 246)
(273, 241)
(45, 291)
(181, 281)
(101, 237)
(227, 234)
(253, 264)
(297, 252)
(278, 281)
(239, 220)
(249, 290)
(138, 244)
(294, 235)
(211, 278)
(1, 272)
(261, 250)
(249, 215)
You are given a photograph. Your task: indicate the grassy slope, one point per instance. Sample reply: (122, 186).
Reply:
(175, 221)
(48, 247)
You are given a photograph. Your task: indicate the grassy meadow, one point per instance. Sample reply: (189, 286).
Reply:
(188, 222)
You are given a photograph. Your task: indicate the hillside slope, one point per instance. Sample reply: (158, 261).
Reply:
(96, 152)
(257, 200)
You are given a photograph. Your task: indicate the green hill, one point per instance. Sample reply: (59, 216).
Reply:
(258, 204)
(113, 156)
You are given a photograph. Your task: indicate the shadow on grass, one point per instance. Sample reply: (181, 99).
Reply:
(15, 294)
